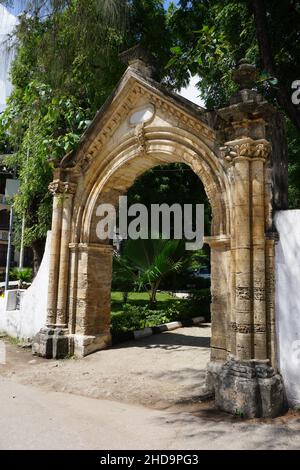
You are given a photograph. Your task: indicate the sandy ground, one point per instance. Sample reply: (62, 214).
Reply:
(31, 418)
(160, 371)
(138, 395)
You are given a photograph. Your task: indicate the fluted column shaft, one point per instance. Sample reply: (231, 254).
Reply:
(248, 157)
(54, 188)
(62, 296)
(59, 252)
(259, 258)
(243, 305)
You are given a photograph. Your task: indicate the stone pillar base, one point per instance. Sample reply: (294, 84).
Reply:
(246, 388)
(57, 343)
(52, 343)
(84, 345)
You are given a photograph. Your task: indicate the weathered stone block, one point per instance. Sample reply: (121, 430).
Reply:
(272, 396)
(84, 344)
(249, 388)
(52, 343)
(42, 344)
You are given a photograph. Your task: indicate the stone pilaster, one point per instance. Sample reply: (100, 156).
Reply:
(260, 153)
(54, 340)
(220, 296)
(56, 188)
(246, 383)
(248, 158)
(73, 283)
(271, 337)
(67, 202)
(92, 330)
(241, 152)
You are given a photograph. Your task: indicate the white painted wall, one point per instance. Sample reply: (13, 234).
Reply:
(288, 301)
(31, 317)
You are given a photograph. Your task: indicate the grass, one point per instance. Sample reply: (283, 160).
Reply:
(10, 339)
(141, 299)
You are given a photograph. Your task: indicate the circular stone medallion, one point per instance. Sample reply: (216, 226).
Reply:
(143, 114)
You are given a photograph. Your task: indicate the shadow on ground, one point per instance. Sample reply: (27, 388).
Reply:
(168, 340)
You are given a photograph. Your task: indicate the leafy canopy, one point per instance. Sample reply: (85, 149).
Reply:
(66, 65)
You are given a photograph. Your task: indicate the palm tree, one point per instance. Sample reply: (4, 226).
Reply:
(149, 261)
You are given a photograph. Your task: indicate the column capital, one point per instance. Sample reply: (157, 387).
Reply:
(246, 148)
(62, 187)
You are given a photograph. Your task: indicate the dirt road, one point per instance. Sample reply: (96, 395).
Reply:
(138, 395)
(160, 371)
(34, 419)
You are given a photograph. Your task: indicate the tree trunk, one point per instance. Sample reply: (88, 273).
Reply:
(266, 57)
(152, 301)
(38, 248)
(276, 133)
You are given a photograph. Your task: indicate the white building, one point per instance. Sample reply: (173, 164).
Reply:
(7, 24)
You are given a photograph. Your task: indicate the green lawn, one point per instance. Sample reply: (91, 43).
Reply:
(136, 315)
(164, 300)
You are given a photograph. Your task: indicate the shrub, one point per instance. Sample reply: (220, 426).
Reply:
(198, 304)
(22, 275)
(130, 319)
(137, 317)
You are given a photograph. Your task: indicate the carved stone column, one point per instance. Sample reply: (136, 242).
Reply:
(56, 188)
(246, 382)
(54, 340)
(243, 307)
(67, 201)
(260, 151)
(249, 156)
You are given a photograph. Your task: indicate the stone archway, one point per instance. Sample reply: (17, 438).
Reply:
(142, 126)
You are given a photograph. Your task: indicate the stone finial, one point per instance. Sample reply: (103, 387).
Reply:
(245, 75)
(138, 58)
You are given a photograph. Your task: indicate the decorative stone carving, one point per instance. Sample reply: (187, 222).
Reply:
(141, 138)
(259, 293)
(197, 125)
(62, 187)
(85, 161)
(262, 150)
(69, 188)
(245, 75)
(243, 292)
(56, 187)
(247, 148)
(248, 328)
